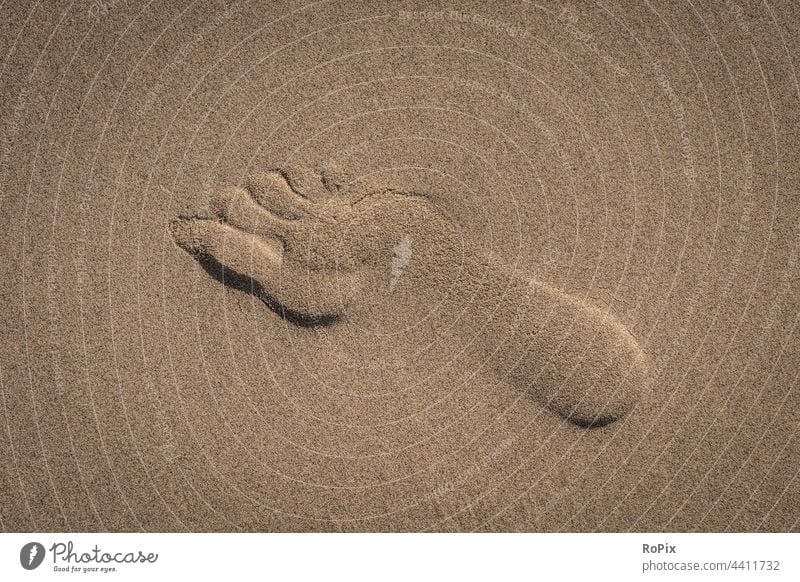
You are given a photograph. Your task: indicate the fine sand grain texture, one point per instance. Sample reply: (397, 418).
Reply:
(394, 266)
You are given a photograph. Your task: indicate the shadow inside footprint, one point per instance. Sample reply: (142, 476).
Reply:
(597, 422)
(231, 278)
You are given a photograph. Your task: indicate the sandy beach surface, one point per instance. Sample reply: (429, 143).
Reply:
(451, 266)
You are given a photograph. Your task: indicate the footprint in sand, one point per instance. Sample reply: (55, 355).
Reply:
(317, 247)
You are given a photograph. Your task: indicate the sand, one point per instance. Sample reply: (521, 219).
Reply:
(399, 267)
